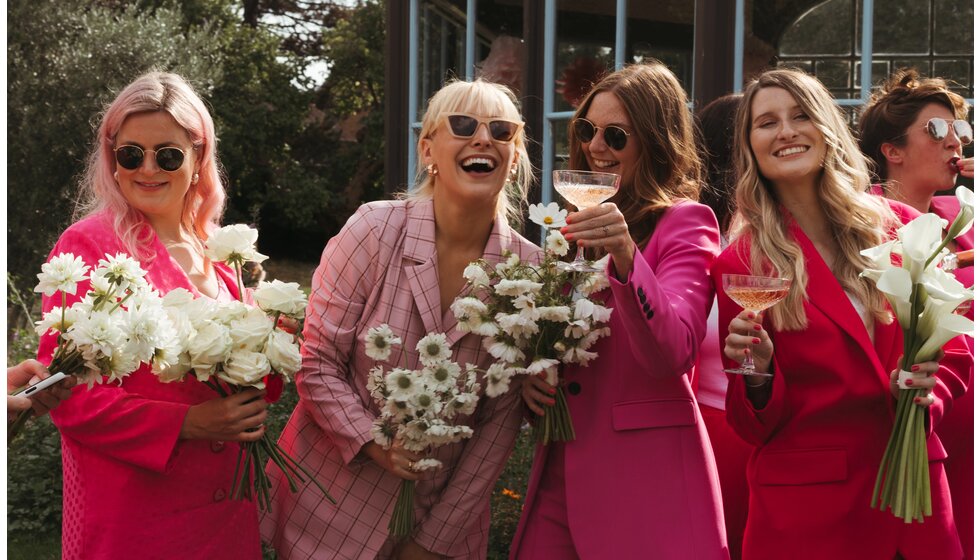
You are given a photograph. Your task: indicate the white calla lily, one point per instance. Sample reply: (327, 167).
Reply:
(964, 219)
(948, 326)
(896, 284)
(942, 285)
(919, 239)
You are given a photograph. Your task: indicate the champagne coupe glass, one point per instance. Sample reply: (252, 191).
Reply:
(584, 189)
(755, 293)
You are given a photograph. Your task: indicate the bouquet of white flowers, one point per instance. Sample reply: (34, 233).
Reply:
(116, 326)
(535, 317)
(417, 406)
(231, 346)
(925, 299)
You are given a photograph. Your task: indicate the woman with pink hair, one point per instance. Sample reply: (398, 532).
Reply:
(146, 466)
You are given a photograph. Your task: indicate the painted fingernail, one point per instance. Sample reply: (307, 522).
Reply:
(552, 391)
(551, 401)
(564, 229)
(908, 382)
(746, 351)
(917, 400)
(756, 341)
(915, 368)
(751, 315)
(757, 327)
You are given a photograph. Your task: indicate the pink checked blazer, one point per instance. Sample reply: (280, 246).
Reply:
(820, 437)
(640, 478)
(382, 268)
(132, 489)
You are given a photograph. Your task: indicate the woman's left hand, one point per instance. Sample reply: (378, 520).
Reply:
(926, 381)
(411, 550)
(603, 226)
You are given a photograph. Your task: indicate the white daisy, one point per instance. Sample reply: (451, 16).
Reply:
(514, 288)
(433, 349)
(550, 216)
(556, 244)
(61, 274)
(401, 383)
(378, 342)
(503, 350)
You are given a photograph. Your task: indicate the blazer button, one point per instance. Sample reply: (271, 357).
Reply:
(639, 290)
(574, 388)
(643, 297)
(217, 446)
(220, 494)
(649, 314)
(646, 307)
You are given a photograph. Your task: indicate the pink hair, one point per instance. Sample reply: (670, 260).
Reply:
(203, 203)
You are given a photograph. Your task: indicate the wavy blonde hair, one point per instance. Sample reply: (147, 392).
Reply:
(203, 203)
(858, 220)
(669, 167)
(478, 97)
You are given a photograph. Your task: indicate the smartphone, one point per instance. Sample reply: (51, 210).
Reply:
(43, 384)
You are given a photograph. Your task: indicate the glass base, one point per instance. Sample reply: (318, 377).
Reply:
(583, 266)
(747, 371)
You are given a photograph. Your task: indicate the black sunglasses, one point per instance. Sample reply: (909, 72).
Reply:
(131, 157)
(938, 129)
(465, 126)
(614, 136)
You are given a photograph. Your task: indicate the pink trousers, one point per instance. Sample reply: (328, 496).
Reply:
(547, 534)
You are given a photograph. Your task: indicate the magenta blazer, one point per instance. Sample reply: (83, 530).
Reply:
(132, 488)
(640, 477)
(382, 268)
(822, 434)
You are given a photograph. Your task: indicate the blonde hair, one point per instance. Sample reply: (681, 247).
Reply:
(204, 202)
(669, 166)
(857, 220)
(478, 97)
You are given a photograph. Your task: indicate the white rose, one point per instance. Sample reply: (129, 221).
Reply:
(251, 331)
(209, 347)
(281, 297)
(245, 368)
(233, 244)
(283, 353)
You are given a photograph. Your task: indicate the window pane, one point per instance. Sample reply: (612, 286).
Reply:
(826, 29)
(586, 37)
(442, 46)
(665, 31)
(901, 27)
(559, 132)
(954, 29)
(501, 54)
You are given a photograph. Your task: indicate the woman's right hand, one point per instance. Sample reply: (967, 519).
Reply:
(227, 418)
(396, 459)
(745, 334)
(537, 392)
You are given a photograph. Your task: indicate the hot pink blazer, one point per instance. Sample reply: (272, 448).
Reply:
(640, 476)
(132, 489)
(821, 436)
(382, 268)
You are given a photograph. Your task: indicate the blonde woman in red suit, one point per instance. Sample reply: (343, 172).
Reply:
(914, 160)
(821, 422)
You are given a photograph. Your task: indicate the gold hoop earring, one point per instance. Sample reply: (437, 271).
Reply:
(432, 169)
(115, 175)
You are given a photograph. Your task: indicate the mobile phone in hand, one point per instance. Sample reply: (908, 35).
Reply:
(43, 384)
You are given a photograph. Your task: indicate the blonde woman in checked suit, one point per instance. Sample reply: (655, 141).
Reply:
(401, 263)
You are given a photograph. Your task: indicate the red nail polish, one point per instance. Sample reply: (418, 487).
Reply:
(564, 229)
(551, 401)
(757, 327)
(908, 382)
(917, 400)
(756, 341)
(915, 368)
(552, 391)
(751, 315)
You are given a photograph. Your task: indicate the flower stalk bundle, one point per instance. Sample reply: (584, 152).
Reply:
(418, 406)
(925, 300)
(231, 346)
(534, 317)
(117, 325)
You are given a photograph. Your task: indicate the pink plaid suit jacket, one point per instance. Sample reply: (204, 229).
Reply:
(382, 268)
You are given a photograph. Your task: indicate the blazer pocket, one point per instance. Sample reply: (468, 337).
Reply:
(801, 466)
(654, 413)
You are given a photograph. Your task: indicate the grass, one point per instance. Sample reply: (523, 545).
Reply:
(44, 547)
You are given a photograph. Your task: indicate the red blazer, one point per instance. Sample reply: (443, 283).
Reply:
(821, 436)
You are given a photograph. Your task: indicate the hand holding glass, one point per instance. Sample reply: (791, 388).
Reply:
(756, 294)
(584, 189)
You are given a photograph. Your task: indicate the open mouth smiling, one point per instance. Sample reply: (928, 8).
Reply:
(791, 150)
(478, 165)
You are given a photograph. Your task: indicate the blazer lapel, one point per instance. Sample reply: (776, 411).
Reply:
(420, 264)
(826, 293)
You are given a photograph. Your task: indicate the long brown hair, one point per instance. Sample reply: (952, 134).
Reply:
(895, 106)
(669, 167)
(858, 220)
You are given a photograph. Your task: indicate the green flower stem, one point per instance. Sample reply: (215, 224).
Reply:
(238, 277)
(403, 517)
(556, 424)
(307, 473)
